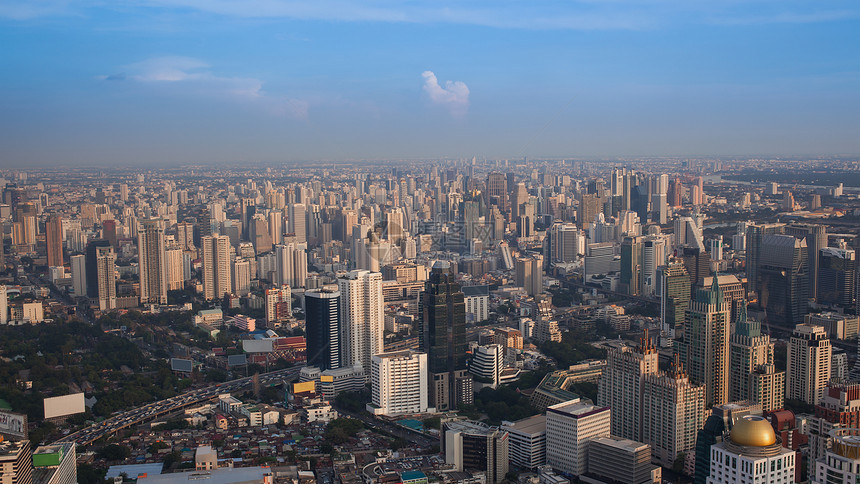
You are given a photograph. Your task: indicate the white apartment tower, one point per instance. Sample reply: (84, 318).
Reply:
(808, 364)
(362, 316)
(399, 383)
(216, 266)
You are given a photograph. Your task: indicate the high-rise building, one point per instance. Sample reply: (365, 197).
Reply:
(292, 261)
(216, 266)
(487, 363)
(673, 412)
(54, 240)
(754, 235)
(4, 305)
(815, 236)
(733, 291)
(841, 462)
(323, 328)
(622, 461)
(442, 335)
(16, 462)
(474, 446)
(527, 441)
(631, 266)
(297, 222)
(570, 427)
(175, 261)
(185, 236)
(751, 453)
(752, 374)
(530, 274)
(398, 383)
(673, 283)
(497, 190)
(152, 262)
(839, 408)
(704, 350)
(721, 419)
(620, 386)
(105, 271)
(55, 464)
(79, 274)
(783, 273)
(91, 266)
(836, 276)
(566, 243)
(363, 316)
(241, 277)
(279, 304)
(808, 364)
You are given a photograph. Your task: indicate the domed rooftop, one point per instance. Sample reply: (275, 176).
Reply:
(753, 431)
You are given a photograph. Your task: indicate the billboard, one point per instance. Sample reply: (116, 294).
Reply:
(65, 405)
(13, 425)
(236, 360)
(181, 364)
(257, 345)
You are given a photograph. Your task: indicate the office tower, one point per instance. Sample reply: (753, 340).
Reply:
(55, 464)
(323, 327)
(109, 233)
(79, 274)
(54, 240)
(653, 256)
(398, 383)
(363, 316)
(816, 239)
(91, 267)
(590, 205)
(442, 335)
(474, 446)
(751, 453)
(185, 236)
(673, 412)
(750, 361)
(152, 262)
(175, 261)
(697, 262)
(599, 258)
(248, 207)
(292, 265)
(276, 227)
(836, 276)
(105, 272)
(487, 363)
(241, 277)
(621, 461)
(704, 350)
(279, 304)
(754, 235)
(526, 441)
(675, 192)
(566, 242)
(497, 190)
(216, 266)
(16, 462)
(783, 273)
(688, 233)
(715, 247)
(297, 222)
(733, 291)
(631, 266)
(530, 274)
(620, 386)
(808, 364)
(841, 462)
(673, 282)
(519, 196)
(259, 234)
(570, 427)
(4, 305)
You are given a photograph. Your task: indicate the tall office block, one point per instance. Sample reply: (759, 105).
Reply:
(323, 326)
(808, 364)
(297, 222)
(216, 266)
(783, 273)
(631, 266)
(442, 335)
(674, 411)
(530, 274)
(398, 383)
(241, 277)
(750, 361)
(704, 350)
(527, 441)
(497, 190)
(566, 242)
(570, 426)
(620, 386)
(276, 226)
(175, 261)
(363, 316)
(185, 236)
(754, 235)
(54, 240)
(815, 236)
(152, 262)
(836, 281)
(91, 266)
(105, 272)
(292, 265)
(79, 274)
(673, 283)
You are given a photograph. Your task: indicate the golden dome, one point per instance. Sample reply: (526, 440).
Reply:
(753, 431)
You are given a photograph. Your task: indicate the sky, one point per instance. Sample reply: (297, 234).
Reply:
(162, 82)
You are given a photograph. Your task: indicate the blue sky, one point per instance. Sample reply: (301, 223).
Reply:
(175, 81)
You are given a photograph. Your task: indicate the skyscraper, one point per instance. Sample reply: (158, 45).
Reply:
(754, 235)
(442, 335)
(363, 316)
(79, 274)
(704, 350)
(323, 329)
(808, 364)
(530, 274)
(278, 304)
(54, 239)
(105, 272)
(570, 426)
(673, 283)
(620, 386)
(815, 236)
(750, 354)
(631, 267)
(292, 265)
(216, 266)
(784, 277)
(152, 262)
(836, 279)
(497, 190)
(297, 222)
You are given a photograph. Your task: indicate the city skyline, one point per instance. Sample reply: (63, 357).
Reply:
(164, 82)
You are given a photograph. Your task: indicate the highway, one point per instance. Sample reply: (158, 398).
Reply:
(158, 409)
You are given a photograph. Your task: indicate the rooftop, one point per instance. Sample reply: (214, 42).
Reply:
(530, 425)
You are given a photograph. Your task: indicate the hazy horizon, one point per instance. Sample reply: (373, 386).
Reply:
(160, 82)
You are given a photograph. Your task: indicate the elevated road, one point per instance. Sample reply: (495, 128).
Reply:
(161, 408)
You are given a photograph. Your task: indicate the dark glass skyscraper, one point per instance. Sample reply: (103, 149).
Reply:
(92, 270)
(442, 335)
(323, 329)
(784, 275)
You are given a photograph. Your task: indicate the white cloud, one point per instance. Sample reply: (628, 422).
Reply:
(454, 96)
(193, 77)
